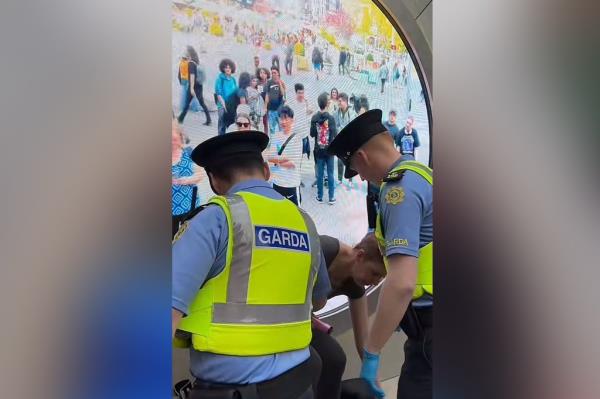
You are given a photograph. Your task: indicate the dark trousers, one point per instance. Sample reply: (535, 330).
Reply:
(333, 361)
(356, 388)
(322, 164)
(188, 101)
(340, 168)
(382, 84)
(306, 147)
(288, 65)
(416, 376)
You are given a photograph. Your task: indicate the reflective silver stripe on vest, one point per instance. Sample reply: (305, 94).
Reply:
(236, 310)
(241, 259)
(242, 313)
(315, 254)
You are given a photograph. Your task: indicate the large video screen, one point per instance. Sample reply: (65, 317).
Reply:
(345, 48)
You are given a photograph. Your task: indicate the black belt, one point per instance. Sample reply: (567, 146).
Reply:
(417, 321)
(293, 383)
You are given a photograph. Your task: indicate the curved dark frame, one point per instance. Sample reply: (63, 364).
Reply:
(418, 66)
(335, 316)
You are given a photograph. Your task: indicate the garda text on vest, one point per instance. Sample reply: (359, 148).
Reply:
(276, 237)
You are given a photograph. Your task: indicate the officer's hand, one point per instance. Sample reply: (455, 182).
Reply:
(368, 372)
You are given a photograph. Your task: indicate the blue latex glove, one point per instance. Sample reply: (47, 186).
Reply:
(368, 372)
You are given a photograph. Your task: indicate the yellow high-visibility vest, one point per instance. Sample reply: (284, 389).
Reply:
(261, 302)
(425, 273)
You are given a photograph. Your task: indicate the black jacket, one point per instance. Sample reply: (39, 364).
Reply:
(317, 120)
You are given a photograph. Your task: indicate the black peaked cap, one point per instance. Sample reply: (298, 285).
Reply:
(229, 146)
(356, 133)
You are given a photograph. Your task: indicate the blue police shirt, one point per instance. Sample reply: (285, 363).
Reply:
(407, 213)
(200, 254)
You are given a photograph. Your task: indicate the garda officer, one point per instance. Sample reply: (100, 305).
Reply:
(244, 268)
(404, 231)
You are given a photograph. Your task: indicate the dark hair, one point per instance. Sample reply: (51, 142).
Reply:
(227, 168)
(286, 111)
(263, 69)
(322, 100)
(343, 96)
(274, 68)
(298, 86)
(224, 62)
(393, 112)
(371, 248)
(364, 102)
(193, 54)
(336, 90)
(244, 80)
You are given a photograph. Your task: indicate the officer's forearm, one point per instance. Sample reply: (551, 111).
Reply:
(394, 298)
(360, 322)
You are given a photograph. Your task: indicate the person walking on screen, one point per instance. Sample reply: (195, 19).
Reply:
(284, 157)
(323, 129)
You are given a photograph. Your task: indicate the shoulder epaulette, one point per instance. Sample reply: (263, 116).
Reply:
(194, 212)
(394, 175)
(186, 221)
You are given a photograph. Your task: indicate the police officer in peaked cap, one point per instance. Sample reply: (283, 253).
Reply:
(247, 269)
(404, 230)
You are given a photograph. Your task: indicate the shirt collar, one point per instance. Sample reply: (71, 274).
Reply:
(246, 184)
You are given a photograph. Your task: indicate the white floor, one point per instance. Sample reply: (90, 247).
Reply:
(390, 386)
